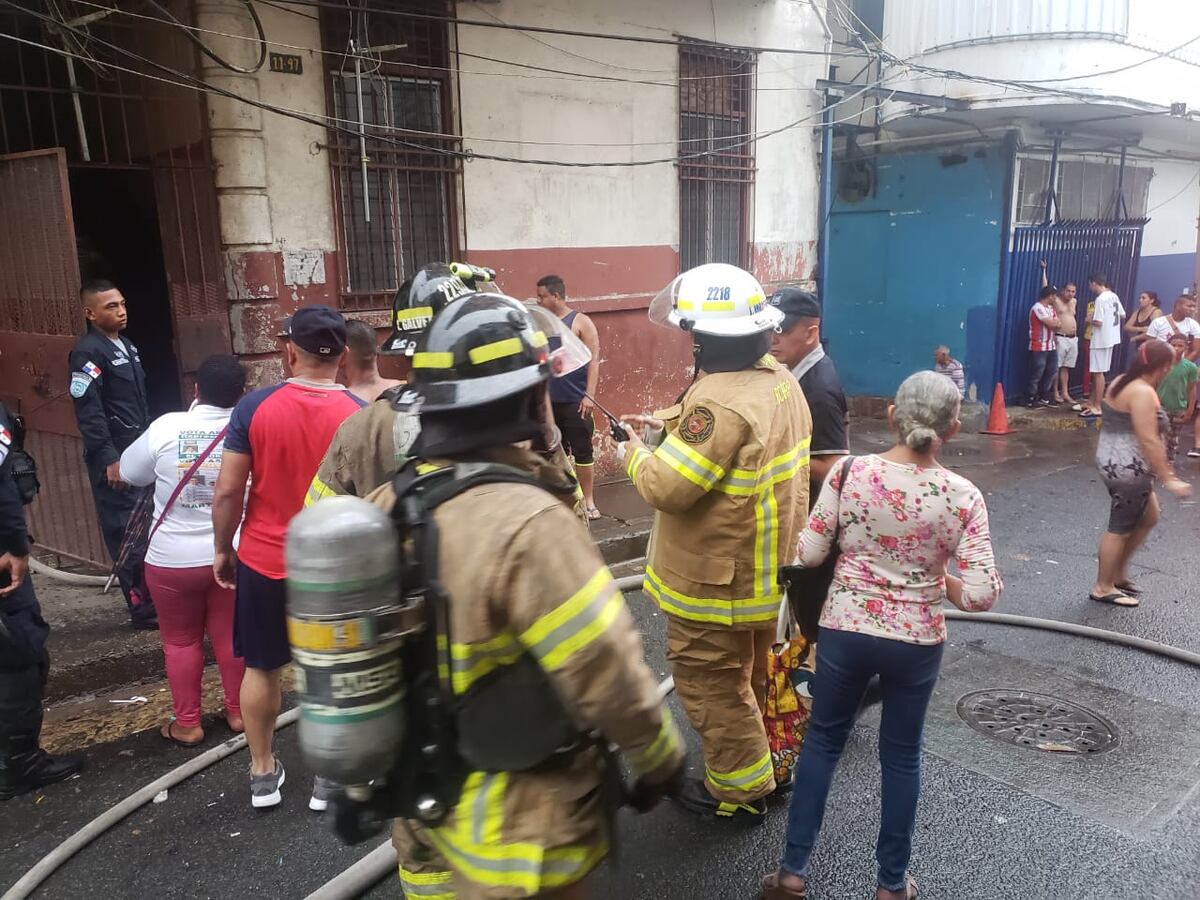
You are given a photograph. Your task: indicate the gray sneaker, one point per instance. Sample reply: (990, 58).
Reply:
(323, 791)
(264, 789)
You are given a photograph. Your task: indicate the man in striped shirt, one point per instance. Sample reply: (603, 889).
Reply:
(1043, 351)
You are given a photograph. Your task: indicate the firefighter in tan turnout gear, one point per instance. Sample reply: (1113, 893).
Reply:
(535, 622)
(727, 470)
(371, 445)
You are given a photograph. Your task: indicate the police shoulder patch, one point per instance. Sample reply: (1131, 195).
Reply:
(697, 425)
(79, 384)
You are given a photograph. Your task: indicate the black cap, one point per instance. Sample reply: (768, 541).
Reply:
(317, 329)
(796, 304)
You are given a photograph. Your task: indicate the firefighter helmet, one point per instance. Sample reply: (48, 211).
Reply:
(423, 295)
(715, 299)
(485, 347)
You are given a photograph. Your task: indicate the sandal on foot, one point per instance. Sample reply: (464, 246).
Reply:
(593, 513)
(168, 733)
(1089, 414)
(1129, 588)
(773, 889)
(1114, 599)
(911, 891)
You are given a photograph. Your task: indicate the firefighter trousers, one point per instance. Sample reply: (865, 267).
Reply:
(721, 679)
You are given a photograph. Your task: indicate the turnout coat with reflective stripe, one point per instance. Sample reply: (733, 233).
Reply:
(730, 483)
(371, 445)
(524, 577)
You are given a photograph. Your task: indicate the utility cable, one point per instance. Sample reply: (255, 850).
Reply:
(323, 121)
(204, 48)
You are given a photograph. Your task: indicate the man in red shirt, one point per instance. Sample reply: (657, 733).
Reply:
(277, 437)
(1043, 352)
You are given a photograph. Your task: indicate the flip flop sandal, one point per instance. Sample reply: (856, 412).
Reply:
(773, 890)
(593, 513)
(1077, 407)
(168, 734)
(1114, 599)
(1129, 589)
(911, 891)
(1089, 414)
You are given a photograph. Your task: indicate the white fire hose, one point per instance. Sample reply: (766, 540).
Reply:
(381, 861)
(36, 565)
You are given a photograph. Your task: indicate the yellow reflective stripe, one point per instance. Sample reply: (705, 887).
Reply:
(428, 885)
(473, 844)
(426, 468)
(403, 315)
(718, 306)
(470, 662)
(433, 360)
(739, 611)
(685, 305)
(751, 778)
(570, 627)
(661, 749)
(693, 466)
(495, 350)
(766, 527)
(539, 339)
(636, 458)
(746, 482)
(318, 490)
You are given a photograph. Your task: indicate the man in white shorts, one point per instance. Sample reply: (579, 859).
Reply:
(1106, 334)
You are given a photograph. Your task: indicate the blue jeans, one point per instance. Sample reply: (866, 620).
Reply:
(846, 661)
(1043, 366)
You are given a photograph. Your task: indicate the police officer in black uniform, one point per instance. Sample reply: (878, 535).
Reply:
(24, 663)
(108, 386)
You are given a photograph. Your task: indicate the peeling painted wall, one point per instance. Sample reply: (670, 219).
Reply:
(914, 266)
(613, 233)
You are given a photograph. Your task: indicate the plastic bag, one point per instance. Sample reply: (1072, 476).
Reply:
(789, 695)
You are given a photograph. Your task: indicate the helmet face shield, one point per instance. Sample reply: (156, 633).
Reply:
(662, 307)
(567, 352)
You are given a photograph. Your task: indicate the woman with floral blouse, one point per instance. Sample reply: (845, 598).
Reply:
(899, 518)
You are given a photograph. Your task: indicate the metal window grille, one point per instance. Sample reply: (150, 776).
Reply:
(1086, 189)
(716, 169)
(410, 186)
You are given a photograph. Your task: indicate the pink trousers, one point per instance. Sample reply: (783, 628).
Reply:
(189, 603)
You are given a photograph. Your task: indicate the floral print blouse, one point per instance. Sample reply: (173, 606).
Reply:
(900, 524)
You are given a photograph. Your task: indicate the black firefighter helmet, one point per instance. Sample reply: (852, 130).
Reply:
(478, 350)
(423, 295)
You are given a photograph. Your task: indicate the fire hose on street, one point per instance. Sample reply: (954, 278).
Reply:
(381, 862)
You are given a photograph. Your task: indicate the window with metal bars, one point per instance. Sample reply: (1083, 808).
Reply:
(716, 167)
(405, 217)
(1086, 189)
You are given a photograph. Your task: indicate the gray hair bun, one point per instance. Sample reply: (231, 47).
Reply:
(927, 405)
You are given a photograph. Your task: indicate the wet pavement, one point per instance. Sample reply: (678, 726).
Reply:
(996, 818)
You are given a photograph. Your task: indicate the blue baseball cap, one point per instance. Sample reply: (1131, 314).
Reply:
(317, 329)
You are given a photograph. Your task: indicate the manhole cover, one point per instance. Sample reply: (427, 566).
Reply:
(1038, 721)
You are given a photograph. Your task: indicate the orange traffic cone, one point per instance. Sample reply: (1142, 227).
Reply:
(997, 422)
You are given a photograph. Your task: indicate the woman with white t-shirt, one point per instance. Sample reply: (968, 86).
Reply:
(180, 454)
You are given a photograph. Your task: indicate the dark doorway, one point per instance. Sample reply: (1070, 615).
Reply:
(116, 229)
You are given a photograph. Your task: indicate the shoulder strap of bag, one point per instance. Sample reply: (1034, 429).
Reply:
(187, 476)
(845, 473)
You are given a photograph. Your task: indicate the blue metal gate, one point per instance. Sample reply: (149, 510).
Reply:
(1072, 251)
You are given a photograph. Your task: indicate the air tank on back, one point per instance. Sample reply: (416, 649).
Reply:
(346, 629)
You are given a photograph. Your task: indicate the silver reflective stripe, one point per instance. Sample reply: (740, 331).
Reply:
(709, 478)
(730, 609)
(577, 623)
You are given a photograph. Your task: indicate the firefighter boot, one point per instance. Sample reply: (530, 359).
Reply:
(25, 767)
(695, 798)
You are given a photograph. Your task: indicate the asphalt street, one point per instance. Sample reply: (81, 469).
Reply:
(996, 819)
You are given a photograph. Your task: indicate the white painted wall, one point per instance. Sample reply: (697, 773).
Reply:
(527, 206)
(1044, 39)
(297, 166)
(1173, 207)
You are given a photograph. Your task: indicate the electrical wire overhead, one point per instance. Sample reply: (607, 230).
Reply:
(182, 79)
